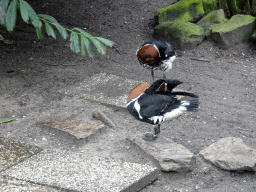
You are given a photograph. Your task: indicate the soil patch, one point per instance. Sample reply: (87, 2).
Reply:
(32, 71)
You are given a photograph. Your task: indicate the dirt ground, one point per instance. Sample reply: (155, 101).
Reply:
(226, 85)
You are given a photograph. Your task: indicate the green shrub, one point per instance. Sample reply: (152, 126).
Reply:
(80, 40)
(233, 7)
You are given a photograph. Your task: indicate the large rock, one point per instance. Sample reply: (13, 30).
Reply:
(214, 17)
(209, 5)
(239, 28)
(104, 88)
(186, 10)
(231, 154)
(185, 34)
(166, 154)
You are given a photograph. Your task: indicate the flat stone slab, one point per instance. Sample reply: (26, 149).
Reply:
(104, 88)
(13, 152)
(166, 154)
(8, 184)
(79, 172)
(75, 126)
(230, 154)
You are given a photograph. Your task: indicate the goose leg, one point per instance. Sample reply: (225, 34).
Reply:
(164, 76)
(157, 130)
(150, 136)
(152, 74)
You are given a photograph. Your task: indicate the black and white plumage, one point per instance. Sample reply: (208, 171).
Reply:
(157, 55)
(157, 103)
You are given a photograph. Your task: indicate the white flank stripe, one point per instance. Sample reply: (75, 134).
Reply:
(159, 118)
(178, 111)
(137, 107)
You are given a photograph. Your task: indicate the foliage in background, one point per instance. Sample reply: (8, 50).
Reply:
(80, 40)
(232, 7)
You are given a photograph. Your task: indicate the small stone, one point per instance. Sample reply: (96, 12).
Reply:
(230, 154)
(103, 118)
(166, 154)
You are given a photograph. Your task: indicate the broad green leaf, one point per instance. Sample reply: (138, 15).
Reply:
(82, 53)
(2, 16)
(40, 31)
(105, 41)
(24, 11)
(98, 45)
(82, 48)
(74, 46)
(88, 46)
(62, 31)
(50, 30)
(3, 9)
(7, 120)
(31, 13)
(36, 22)
(4, 4)
(84, 33)
(11, 16)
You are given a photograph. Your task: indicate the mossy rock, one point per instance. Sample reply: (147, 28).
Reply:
(214, 17)
(235, 22)
(186, 10)
(253, 36)
(185, 34)
(208, 31)
(239, 28)
(209, 5)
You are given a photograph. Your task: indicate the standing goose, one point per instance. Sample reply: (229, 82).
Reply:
(157, 55)
(157, 103)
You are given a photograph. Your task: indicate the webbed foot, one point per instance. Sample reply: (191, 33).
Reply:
(149, 137)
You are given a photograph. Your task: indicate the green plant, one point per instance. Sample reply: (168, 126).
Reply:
(235, 6)
(43, 24)
(7, 120)
(5, 40)
(250, 7)
(232, 7)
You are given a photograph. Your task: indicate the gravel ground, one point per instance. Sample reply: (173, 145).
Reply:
(34, 71)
